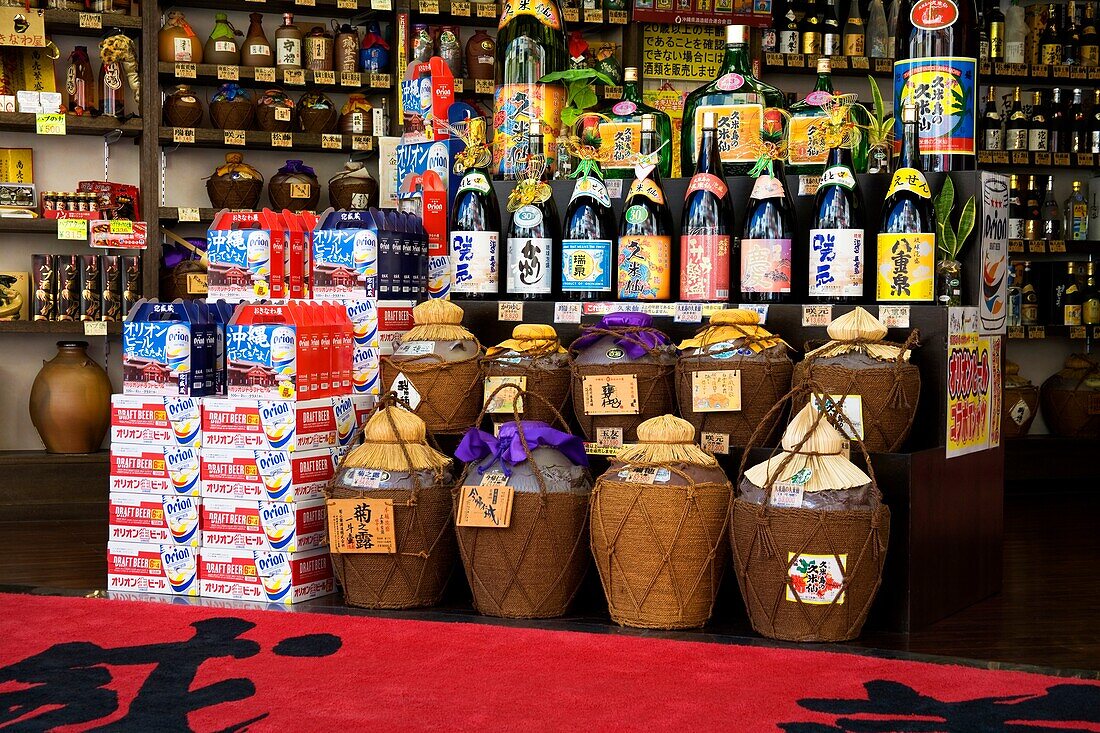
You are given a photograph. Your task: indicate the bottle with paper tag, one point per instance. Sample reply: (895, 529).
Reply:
(620, 134)
(533, 360)
(221, 47)
(838, 250)
(534, 230)
(767, 252)
(475, 222)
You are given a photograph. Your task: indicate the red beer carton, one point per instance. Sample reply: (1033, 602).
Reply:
(264, 525)
(276, 424)
(156, 420)
(138, 567)
(262, 475)
(154, 469)
(164, 519)
(272, 577)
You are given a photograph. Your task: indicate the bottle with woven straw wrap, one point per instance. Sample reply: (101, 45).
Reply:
(535, 360)
(395, 462)
(730, 374)
(1020, 404)
(867, 378)
(665, 491)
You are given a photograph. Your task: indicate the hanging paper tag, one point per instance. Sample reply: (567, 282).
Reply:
(787, 495)
(406, 391)
(852, 407)
(716, 391)
(506, 399)
(717, 443)
(487, 505)
(361, 526)
(610, 394)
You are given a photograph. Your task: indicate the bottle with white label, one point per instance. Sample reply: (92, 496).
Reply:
(838, 257)
(587, 252)
(475, 225)
(533, 259)
(288, 44)
(221, 47)
(257, 50)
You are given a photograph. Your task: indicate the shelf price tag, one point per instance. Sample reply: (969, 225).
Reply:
(612, 92)
(484, 86)
(571, 15)
(331, 141)
(817, 315)
(460, 85)
(282, 139)
(460, 8)
(72, 229)
(362, 142)
(186, 71)
(1015, 332)
(796, 61)
(49, 123)
(95, 328)
(122, 226)
(1020, 158)
(617, 17)
(324, 77)
(229, 73)
(1036, 332)
(90, 20)
(347, 4)
(717, 443)
(688, 313)
(488, 10)
(187, 214)
(1061, 159)
(510, 310)
(429, 6)
(1015, 245)
(183, 134)
(381, 4)
(1077, 332)
(379, 81)
(1000, 158)
(1058, 246)
(1042, 159)
(894, 316)
(861, 63)
(1037, 246)
(593, 15)
(234, 137)
(197, 283)
(350, 79)
(294, 76)
(306, 3)
(264, 73)
(567, 312)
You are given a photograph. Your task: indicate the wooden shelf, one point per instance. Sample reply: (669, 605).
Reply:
(205, 137)
(74, 328)
(998, 73)
(75, 23)
(1017, 159)
(318, 8)
(172, 214)
(488, 14)
(24, 457)
(215, 75)
(780, 63)
(1050, 459)
(1059, 249)
(13, 225)
(74, 124)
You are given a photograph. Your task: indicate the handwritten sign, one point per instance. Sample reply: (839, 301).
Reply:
(611, 438)
(567, 312)
(487, 505)
(716, 391)
(186, 71)
(187, 213)
(362, 142)
(183, 134)
(234, 137)
(90, 20)
(72, 229)
(347, 4)
(22, 28)
(717, 443)
(229, 73)
(460, 8)
(350, 79)
(95, 328)
(282, 139)
(296, 77)
(331, 141)
(510, 310)
(685, 52)
(49, 123)
(610, 394)
(264, 73)
(361, 526)
(969, 383)
(324, 77)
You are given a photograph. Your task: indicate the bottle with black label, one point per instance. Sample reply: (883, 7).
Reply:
(995, 23)
(1090, 309)
(645, 252)
(811, 29)
(1016, 127)
(1051, 213)
(992, 135)
(789, 36)
(855, 36)
(1071, 37)
(533, 258)
(1029, 299)
(707, 225)
(1038, 133)
(1059, 128)
(1050, 40)
(1015, 208)
(831, 36)
(475, 225)
(588, 236)
(1079, 141)
(1089, 50)
(1094, 124)
(838, 258)
(1032, 210)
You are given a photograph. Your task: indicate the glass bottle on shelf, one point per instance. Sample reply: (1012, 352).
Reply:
(1015, 296)
(992, 135)
(831, 38)
(788, 36)
(1051, 213)
(112, 98)
(645, 253)
(1071, 43)
(1076, 227)
(530, 44)
(995, 22)
(1089, 49)
(707, 233)
(838, 255)
(879, 43)
(1059, 129)
(1094, 124)
(1029, 299)
(855, 36)
(1015, 208)
(1032, 209)
(534, 258)
(767, 253)
(1072, 302)
(738, 100)
(475, 226)
(1090, 308)
(80, 87)
(1038, 132)
(807, 149)
(1016, 127)
(588, 236)
(892, 14)
(288, 44)
(907, 233)
(1079, 140)
(1050, 40)
(622, 131)
(936, 69)
(1015, 34)
(256, 50)
(811, 30)
(221, 47)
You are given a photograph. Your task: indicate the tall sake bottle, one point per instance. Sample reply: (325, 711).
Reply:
(837, 252)
(588, 238)
(645, 254)
(533, 232)
(707, 228)
(907, 234)
(767, 253)
(475, 225)
(530, 44)
(936, 69)
(738, 99)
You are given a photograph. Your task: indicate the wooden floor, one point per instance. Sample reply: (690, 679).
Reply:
(1046, 615)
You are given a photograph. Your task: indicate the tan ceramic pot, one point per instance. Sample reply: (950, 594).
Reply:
(71, 400)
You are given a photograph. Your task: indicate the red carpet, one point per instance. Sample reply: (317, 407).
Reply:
(84, 664)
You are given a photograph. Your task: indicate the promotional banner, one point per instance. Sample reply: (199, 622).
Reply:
(993, 239)
(969, 384)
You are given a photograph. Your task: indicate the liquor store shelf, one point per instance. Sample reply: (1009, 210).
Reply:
(1049, 459)
(1054, 331)
(998, 73)
(1053, 247)
(486, 88)
(204, 137)
(74, 124)
(318, 8)
(214, 75)
(789, 63)
(460, 12)
(179, 214)
(75, 23)
(1017, 159)
(76, 328)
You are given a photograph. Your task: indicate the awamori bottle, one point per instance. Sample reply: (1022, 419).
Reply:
(588, 238)
(707, 225)
(766, 241)
(837, 252)
(622, 131)
(645, 253)
(808, 147)
(475, 228)
(533, 232)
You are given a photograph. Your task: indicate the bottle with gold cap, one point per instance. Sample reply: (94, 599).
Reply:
(533, 257)
(645, 254)
(738, 100)
(475, 224)
(621, 134)
(588, 236)
(807, 147)
(706, 230)
(1076, 227)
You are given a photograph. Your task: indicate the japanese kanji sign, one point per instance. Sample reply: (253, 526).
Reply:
(23, 28)
(361, 526)
(611, 394)
(686, 52)
(969, 384)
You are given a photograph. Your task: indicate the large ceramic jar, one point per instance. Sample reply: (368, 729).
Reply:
(70, 401)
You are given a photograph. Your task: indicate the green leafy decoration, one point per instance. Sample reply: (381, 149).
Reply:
(579, 94)
(950, 241)
(882, 126)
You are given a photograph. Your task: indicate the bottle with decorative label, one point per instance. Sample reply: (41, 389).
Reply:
(811, 29)
(80, 89)
(1090, 309)
(1050, 40)
(530, 44)
(807, 149)
(788, 40)
(1077, 215)
(112, 98)
(855, 38)
(879, 43)
(1029, 299)
(995, 22)
(221, 47)
(992, 138)
(767, 255)
(1089, 49)
(831, 38)
(907, 235)
(645, 253)
(1016, 127)
(1051, 213)
(475, 224)
(1032, 210)
(288, 44)
(1072, 301)
(621, 132)
(1015, 208)
(707, 225)
(588, 236)
(838, 257)
(738, 100)
(534, 230)
(936, 70)
(1038, 131)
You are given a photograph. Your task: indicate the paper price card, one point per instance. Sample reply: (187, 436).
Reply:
(229, 73)
(90, 20)
(264, 73)
(688, 313)
(49, 124)
(817, 315)
(186, 71)
(460, 8)
(187, 214)
(74, 229)
(488, 10)
(894, 316)
(330, 141)
(347, 4)
(611, 438)
(787, 495)
(234, 137)
(381, 4)
(815, 579)
(610, 394)
(510, 310)
(361, 526)
(350, 79)
(183, 134)
(483, 86)
(282, 139)
(717, 443)
(324, 77)
(122, 226)
(506, 399)
(95, 328)
(488, 505)
(362, 142)
(429, 6)
(567, 313)
(716, 391)
(852, 407)
(294, 76)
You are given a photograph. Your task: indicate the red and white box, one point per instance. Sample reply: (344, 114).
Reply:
(272, 577)
(275, 526)
(164, 519)
(156, 420)
(260, 475)
(277, 424)
(154, 469)
(395, 319)
(138, 567)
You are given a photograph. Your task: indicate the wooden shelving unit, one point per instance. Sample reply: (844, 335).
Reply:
(205, 137)
(76, 328)
(77, 23)
(215, 75)
(794, 63)
(74, 124)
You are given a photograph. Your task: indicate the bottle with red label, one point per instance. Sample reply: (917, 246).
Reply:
(737, 98)
(936, 70)
(645, 254)
(621, 133)
(707, 225)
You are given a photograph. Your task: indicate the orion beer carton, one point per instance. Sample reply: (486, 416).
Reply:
(138, 567)
(395, 319)
(174, 421)
(246, 251)
(267, 475)
(169, 349)
(261, 351)
(273, 577)
(345, 256)
(264, 525)
(165, 519)
(278, 424)
(363, 315)
(154, 469)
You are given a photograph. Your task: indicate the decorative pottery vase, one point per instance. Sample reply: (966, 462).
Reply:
(70, 402)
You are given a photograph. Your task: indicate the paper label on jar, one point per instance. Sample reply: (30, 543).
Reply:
(765, 265)
(181, 49)
(586, 264)
(620, 142)
(906, 267)
(705, 267)
(807, 140)
(288, 52)
(645, 267)
(225, 46)
(475, 257)
(836, 263)
(1019, 413)
(718, 390)
(739, 128)
(529, 264)
(816, 579)
(259, 49)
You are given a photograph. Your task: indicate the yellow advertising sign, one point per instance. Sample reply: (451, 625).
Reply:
(684, 52)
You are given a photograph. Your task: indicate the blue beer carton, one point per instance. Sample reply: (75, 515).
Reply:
(168, 349)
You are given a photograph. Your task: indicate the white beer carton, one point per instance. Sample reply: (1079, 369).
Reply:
(272, 577)
(267, 475)
(165, 519)
(152, 568)
(156, 420)
(264, 525)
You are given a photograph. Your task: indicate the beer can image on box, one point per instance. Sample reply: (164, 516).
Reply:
(159, 519)
(272, 577)
(152, 568)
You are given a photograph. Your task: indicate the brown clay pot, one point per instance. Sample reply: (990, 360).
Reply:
(71, 401)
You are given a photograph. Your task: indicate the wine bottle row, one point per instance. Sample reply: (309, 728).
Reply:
(1072, 298)
(590, 255)
(1053, 122)
(1035, 214)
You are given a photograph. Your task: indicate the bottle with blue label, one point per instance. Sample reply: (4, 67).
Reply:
(587, 238)
(838, 256)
